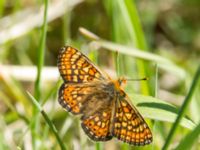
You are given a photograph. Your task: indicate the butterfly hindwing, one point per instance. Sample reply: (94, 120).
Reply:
(74, 97)
(129, 126)
(94, 105)
(97, 126)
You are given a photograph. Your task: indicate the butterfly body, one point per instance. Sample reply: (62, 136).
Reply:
(104, 107)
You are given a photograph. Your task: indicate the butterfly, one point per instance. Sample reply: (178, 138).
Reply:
(105, 109)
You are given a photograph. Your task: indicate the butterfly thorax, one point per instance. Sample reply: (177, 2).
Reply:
(119, 85)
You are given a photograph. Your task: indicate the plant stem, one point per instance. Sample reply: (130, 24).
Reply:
(182, 109)
(41, 53)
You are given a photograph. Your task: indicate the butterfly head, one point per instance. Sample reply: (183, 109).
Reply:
(121, 82)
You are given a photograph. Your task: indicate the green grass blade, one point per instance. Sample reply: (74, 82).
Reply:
(135, 24)
(98, 146)
(41, 52)
(189, 139)
(117, 63)
(162, 62)
(182, 109)
(133, 52)
(157, 109)
(130, 20)
(2, 5)
(156, 81)
(48, 121)
(35, 102)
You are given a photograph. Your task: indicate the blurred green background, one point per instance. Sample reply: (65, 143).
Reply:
(135, 39)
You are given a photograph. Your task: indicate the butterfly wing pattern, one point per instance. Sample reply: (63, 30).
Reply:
(75, 67)
(82, 99)
(71, 97)
(104, 114)
(97, 126)
(78, 94)
(129, 126)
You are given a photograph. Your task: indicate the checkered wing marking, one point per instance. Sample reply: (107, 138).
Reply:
(129, 125)
(72, 96)
(75, 67)
(97, 126)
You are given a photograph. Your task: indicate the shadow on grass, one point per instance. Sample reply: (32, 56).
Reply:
(159, 106)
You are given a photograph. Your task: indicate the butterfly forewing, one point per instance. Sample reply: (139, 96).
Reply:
(129, 126)
(75, 67)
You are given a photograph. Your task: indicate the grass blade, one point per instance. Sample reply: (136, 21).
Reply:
(157, 109)
(182, 109)
(162, 62)
(41, 52)
(189, 139)
(98, 146)
(52, 127)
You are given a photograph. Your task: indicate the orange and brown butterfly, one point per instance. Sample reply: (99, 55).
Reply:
(104, 107)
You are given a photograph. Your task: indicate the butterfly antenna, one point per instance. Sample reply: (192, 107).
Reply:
(141, 79)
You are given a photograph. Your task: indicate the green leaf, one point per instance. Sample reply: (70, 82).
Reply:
(157, 109)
